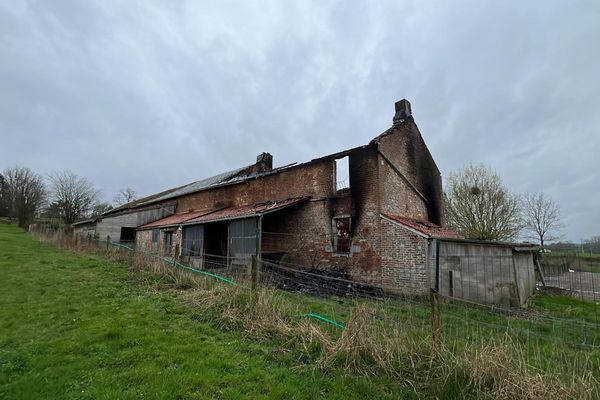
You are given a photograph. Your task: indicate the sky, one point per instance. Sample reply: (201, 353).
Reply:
(154, 94)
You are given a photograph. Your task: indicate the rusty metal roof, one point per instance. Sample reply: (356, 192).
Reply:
(176, 219)
(247, 211)
(425, 227)
(221, 214)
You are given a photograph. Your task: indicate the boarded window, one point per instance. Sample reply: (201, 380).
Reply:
(242, 236)
(341, 237)
(193, 240)
(168, 243)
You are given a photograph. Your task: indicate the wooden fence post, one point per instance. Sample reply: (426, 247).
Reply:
(107, 241)
(254, 272)
(435, 304)
(435, 319)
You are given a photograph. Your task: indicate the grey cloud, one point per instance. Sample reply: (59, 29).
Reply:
(151, 95)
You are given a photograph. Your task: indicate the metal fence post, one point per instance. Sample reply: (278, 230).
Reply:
(107, 241)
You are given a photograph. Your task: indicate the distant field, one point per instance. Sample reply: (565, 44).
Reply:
(83, 327)
(561, 261)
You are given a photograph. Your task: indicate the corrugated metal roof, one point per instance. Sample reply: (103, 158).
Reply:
(248, 210)
(175, 219)
(425, 227)
(197, 186)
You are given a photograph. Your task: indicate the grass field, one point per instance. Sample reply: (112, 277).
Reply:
(74, 327)
(82, 326)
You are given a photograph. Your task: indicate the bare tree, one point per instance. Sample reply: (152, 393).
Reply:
(73, 196)
(23, 194)
(100, 208)
(594, 244)
(542, 217)
(477, 204)
(125, 196)
(4, 197)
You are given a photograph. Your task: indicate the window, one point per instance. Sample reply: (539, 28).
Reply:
(341, 234)
(342, 173)
(242, 237)
(127, 234)
(155, 235)
(193, 240)
(168, 243)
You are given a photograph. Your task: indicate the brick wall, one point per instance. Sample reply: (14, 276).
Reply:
(364, 187)
(404, 146)
(403, 259)
(399, 198)
(380, 254)
(314, 180)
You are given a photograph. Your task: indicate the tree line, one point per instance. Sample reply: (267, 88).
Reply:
(63, 196)
(478, 205)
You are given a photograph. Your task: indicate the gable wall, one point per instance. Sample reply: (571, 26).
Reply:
(405, 148)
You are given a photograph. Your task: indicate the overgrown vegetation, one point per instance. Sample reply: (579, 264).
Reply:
(100, 326)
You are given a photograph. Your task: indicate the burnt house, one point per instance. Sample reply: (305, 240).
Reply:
(355, 210)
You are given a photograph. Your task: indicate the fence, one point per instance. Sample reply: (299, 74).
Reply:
(577, 275)
(555, 335)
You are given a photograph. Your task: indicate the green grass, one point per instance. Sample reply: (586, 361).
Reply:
(558, 263)
(568, 307)
(82, 327)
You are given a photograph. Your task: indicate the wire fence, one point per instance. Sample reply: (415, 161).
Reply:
(466, 308)
(575, 275)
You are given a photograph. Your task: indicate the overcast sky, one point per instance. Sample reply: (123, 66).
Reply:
(155, 94)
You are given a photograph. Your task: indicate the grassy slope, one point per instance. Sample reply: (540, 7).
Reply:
(81, 327)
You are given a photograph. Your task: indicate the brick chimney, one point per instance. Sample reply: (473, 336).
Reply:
(403, 111)
(264, 162)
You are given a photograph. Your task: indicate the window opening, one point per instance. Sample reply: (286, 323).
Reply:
(127, 234)
(193, 240)
(341, 238)
(168, 242)
(342, 173)
(155, 236)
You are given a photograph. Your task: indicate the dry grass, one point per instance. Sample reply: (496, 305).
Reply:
(366, 346)
(501, 370)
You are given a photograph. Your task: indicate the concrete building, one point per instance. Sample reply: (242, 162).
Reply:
(354, 210)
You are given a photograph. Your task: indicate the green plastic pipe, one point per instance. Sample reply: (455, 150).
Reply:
(198, 271)
(323, 319)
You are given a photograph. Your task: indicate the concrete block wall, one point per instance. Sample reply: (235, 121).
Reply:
(484, 273)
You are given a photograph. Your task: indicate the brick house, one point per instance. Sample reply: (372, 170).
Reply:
(358, 210)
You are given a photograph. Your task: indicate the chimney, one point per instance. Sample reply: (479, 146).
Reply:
(403, 111)
(264, 162)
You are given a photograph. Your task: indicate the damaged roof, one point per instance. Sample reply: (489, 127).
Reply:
(253, 210)
(197, 186)
(425, 227)
(246, 173)
(222, 214)
(176, 219)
